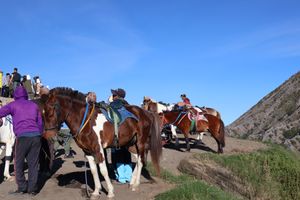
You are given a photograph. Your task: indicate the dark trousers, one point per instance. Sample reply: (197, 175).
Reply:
(27, 148)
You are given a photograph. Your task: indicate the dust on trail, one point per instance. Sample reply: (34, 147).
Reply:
(68, 181)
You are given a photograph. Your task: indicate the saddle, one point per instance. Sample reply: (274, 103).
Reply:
(118, 115)
(195, 115)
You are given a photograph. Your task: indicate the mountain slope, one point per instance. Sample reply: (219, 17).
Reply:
(275, 118)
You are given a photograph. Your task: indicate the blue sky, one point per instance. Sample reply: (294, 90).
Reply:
(222, 54)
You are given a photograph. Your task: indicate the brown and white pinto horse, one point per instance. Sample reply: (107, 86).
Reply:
(67, 105)
(211, 124)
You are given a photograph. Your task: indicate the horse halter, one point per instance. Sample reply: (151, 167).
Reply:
(56, 107)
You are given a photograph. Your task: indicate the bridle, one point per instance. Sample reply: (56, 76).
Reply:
(56, 106)
(57, 109)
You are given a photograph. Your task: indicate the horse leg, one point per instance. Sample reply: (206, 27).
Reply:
(94, 171)
(199, 138)
(8, 154)
(187, 141)
(102, 163)
(134, 173)
(174, 135)
(135, 182)
(104, 172)
(2, 147)
(220, 147)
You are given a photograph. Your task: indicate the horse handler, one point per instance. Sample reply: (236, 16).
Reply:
(27, 126)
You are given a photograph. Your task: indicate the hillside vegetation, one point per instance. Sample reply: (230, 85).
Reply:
(275, 118)
(273, 173)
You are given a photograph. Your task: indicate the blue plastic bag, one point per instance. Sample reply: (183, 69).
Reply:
(123, 172)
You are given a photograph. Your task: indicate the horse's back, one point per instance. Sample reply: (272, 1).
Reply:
(140, 113)
(213, 112)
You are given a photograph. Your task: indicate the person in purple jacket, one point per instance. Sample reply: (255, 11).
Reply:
(28, 127)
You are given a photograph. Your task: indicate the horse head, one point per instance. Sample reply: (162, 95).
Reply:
(146, 101)
(58, 109)
(52, 117)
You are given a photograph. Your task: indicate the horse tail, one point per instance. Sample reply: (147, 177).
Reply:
(222, 133)
(155, 142)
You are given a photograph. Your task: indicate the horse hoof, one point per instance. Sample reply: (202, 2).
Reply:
(94, 196)
(110, 195)
(199, 143)
(7, 178)
(133, 188)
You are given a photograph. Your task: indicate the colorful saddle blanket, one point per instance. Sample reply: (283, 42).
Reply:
(122, 113)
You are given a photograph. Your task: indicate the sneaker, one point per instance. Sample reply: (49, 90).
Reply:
(68, 156)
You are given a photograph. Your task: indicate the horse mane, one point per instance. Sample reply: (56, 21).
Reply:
(65, 91)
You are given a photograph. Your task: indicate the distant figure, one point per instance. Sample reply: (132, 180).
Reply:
(5, 87)
(63, 138)
(15, 79)
(37, 85)
(26, 82)
(185, 103)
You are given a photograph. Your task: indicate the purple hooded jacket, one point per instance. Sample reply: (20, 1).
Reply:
(25, 114)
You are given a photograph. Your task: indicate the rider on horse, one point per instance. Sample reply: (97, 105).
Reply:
(185, 103)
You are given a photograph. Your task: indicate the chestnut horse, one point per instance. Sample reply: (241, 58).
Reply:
(96, 133)
(157, 107)
(210, 123)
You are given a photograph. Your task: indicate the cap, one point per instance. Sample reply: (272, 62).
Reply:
(119, 92)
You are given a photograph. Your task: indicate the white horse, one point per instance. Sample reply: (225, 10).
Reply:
(7, 137)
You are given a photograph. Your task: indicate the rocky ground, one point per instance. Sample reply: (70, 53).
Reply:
(68, 180)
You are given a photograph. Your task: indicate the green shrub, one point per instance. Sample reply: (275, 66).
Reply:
(195, 190)
(188, 188)
(291, 133)
(272, 173)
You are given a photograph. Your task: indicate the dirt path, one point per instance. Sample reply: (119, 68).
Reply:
(68, 181)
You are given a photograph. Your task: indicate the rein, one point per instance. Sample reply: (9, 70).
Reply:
(84, 122)
(178, 118)
(84, 117)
